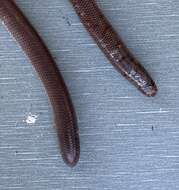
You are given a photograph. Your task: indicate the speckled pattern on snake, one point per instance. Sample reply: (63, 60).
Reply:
(112, 45)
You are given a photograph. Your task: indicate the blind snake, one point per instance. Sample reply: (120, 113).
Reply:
(32, 44)
(40, 57)
(113, 47)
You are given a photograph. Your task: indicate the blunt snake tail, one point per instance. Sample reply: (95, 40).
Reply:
(32, 44)
(113, 47)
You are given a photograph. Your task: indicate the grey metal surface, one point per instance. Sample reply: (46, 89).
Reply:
(128, 141)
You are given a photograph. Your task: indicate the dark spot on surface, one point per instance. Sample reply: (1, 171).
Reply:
(152, 128)
(17, 152)
(2, 97)
(67, 20)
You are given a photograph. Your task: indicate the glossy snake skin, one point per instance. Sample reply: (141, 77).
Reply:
(112, 45)
(41, 59)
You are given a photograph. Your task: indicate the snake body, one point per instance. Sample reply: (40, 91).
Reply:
(37, 52)
(106, 38)
(113, 47)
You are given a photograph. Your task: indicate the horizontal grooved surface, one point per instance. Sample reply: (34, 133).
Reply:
(128, 141)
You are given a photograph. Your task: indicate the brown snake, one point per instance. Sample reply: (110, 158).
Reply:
(65, 119)
(112, 45)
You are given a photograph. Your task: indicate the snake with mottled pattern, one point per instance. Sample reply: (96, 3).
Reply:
(113, 47)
